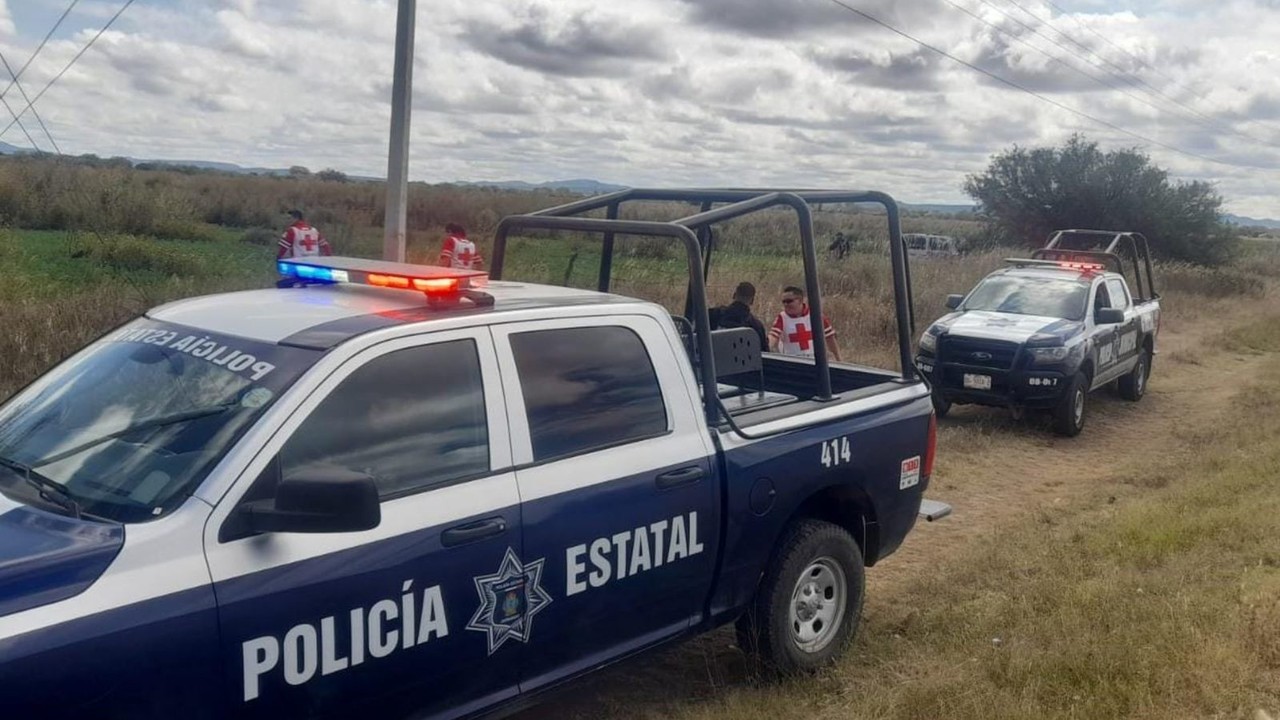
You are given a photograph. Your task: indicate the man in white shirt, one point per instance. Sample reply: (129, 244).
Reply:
(459, 252)
(792, 331)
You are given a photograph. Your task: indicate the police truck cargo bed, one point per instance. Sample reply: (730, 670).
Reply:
(404, 490)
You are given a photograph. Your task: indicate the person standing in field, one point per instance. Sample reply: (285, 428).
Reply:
(458, 252)
(792, 331)
(301, 240)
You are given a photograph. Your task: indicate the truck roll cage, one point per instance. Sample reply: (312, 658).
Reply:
(694, 233)
(1110, 248)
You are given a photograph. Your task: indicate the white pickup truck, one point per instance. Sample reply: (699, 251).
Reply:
(402, 490)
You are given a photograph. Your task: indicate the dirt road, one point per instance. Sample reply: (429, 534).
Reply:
(994, 471)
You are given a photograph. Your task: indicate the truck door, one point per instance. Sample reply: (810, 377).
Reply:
(616, 484)
(408, 615)
(1103, 336)
(1127, 333)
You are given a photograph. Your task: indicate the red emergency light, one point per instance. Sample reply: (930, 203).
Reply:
(1082, 266)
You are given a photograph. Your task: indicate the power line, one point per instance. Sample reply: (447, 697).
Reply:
(1210, 125)
(40, 47)
(1115, 68)
(1141, 61)
(1104, 39)
(20, 125)
(1120, 72)
(39, 119)
(58, 77)
(1031, 92)
(102, 241)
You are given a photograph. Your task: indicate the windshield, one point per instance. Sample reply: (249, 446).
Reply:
(1050, 297)
(131, 425)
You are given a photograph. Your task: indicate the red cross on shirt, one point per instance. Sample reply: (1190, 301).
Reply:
(801, 336)
(465, 257)
(308, 242)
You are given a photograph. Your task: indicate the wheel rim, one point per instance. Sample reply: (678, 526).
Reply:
(1141, 382)
(1077, 408)
(817, 605)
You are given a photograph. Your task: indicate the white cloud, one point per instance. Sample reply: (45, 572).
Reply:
(7, 27)
(668, 92)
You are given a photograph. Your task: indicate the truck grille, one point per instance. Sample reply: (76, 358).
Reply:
(994, 354)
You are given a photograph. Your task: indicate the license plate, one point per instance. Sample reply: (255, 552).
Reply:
(977, 382)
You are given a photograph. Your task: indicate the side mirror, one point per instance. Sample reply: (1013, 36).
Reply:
(953, 301)
(325, 500)
(1108, 316)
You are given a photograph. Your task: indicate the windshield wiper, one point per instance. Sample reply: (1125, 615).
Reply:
(157, 422)
(49, 489)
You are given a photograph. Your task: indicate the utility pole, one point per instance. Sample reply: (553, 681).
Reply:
(393, 238)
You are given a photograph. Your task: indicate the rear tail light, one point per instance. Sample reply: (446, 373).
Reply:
(932, 448)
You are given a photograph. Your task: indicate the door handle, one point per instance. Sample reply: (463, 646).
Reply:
(475, 531)
(676, 478)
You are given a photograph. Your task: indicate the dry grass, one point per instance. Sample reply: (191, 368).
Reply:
(1160, 601)
(63, 194)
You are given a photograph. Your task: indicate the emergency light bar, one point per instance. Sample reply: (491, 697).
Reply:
(1039, 262)
(436, 282)
(1080, 259)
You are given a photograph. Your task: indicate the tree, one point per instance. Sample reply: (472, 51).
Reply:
(331, 175)
(1027, 194)
(299, 171)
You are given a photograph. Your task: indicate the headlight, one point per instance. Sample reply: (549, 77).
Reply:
(1048, 355)
(928, 343)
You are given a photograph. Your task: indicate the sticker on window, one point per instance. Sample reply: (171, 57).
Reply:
(255, 398)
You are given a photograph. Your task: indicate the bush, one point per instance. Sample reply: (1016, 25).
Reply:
(1029, 193)
(1188, 279)
(265, 237)
(132, 253)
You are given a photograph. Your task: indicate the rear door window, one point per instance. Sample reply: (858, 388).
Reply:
(586, 389)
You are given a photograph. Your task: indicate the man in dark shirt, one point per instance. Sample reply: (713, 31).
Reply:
(738, 313)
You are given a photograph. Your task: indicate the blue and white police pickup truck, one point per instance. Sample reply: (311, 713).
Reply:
(404, 490)
(1046, 331)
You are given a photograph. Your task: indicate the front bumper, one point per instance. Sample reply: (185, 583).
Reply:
(1037, 387)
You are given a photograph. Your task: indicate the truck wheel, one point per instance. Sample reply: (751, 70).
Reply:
(1134, 385)
(807, 608)
(941, 405)
(1068, 417)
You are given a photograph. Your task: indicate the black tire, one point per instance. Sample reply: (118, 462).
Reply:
(941, 405)
(1134, 385)
(1072, 409)
(803, 577)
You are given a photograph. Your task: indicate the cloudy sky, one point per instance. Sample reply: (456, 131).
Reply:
(668, 92)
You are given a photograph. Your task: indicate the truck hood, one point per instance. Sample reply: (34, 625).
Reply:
(45, 557)
(1009, 327)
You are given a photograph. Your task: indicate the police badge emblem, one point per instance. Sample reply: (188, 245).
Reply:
(509, 599)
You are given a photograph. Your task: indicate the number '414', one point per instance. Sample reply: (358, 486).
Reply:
(836, 452)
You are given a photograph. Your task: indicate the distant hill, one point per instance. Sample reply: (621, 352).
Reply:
(216, 166)
(1250, 222)
(579, 185)
(938, 209)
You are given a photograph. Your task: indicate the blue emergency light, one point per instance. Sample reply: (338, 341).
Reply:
(312, 273)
